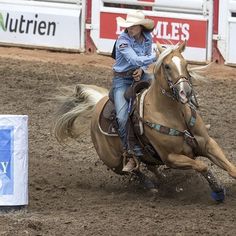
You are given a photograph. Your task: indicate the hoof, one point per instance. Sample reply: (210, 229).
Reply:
(218, 196)
(154, 191)
(148, 184)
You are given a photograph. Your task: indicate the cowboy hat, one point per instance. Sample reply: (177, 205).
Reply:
(135, 17)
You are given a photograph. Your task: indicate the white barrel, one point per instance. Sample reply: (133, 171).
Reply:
(13, 160)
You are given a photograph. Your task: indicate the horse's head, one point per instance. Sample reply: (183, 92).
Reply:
(175, 72)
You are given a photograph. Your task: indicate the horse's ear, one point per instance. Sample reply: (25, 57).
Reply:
(157, 52)
(182, 46)
(159, 47)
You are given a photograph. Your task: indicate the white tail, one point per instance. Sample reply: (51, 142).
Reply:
(78, 107)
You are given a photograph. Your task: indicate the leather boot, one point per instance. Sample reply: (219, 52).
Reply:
(132, 143)
(130, 165)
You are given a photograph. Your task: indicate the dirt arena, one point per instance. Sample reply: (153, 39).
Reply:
(72, 193)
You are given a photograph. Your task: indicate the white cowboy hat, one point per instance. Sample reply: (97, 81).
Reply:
(135, 17)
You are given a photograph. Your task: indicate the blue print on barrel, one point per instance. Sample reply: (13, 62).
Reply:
(6, 160)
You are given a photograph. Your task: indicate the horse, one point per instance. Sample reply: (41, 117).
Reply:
(168, 123)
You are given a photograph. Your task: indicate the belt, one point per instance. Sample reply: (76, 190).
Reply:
(124, 74)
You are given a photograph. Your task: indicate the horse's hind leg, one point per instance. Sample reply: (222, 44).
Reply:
(146, 181)
(155, 169)
(216, 155)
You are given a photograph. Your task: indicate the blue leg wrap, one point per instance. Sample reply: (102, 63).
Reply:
(218, 196)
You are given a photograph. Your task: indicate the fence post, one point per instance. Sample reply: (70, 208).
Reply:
(89, 44)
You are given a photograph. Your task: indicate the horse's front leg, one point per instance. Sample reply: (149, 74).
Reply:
(179, 161)
(184, 162)
(216, 155)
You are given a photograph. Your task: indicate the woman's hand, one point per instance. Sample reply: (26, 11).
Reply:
(137, 74)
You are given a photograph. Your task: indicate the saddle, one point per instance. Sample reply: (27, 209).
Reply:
(107, 119)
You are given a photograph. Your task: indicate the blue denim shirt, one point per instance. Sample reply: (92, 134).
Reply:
(131, 54)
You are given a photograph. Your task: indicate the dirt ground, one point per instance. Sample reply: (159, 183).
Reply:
(72, 193)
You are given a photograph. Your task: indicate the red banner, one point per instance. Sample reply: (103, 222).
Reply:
(166, 29)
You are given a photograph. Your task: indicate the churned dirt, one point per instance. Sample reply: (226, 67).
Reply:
(72, 193)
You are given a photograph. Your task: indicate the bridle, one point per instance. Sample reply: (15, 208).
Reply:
(173, 85)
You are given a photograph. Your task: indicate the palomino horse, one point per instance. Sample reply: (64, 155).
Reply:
(171, 126)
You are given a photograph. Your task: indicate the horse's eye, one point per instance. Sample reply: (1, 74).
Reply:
(167, 67)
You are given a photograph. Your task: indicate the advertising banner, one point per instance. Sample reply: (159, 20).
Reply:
(13, 160)
(46, 25)
(172, 29)
(167, 30)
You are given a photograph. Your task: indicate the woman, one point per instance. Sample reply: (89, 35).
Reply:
(133, 55)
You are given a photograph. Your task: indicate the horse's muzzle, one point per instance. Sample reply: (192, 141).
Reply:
(183, 90)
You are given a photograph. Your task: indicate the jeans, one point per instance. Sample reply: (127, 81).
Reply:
(119, 86)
